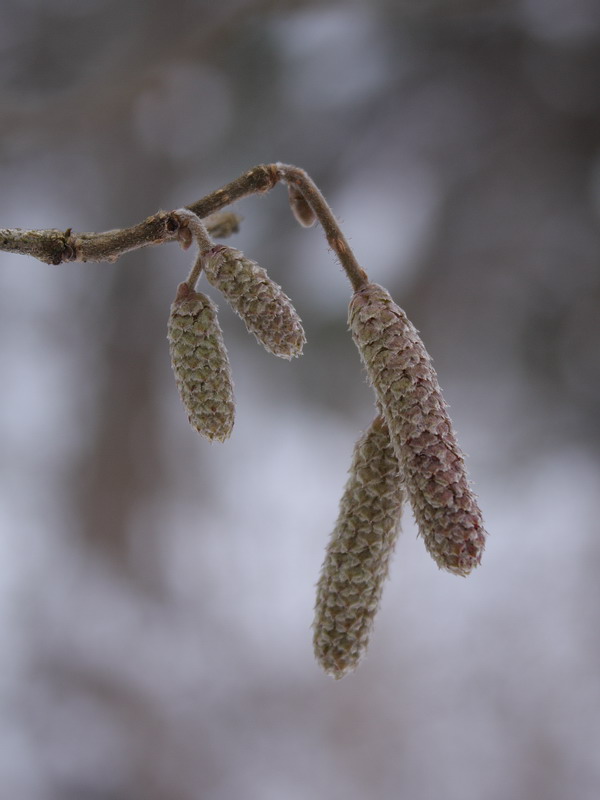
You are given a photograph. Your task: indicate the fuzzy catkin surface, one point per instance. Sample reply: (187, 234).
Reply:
(358, 553)
(200, 363)
(409, 396)
(260, 302)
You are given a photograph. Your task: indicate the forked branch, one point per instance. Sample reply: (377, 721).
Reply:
(410, 449)
(56, 246)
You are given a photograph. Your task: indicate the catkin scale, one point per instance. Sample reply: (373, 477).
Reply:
(266, 310)
(408, 393)
(358, 553)
(200, 363)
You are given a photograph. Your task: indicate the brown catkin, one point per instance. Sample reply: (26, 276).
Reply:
(409, 396)
(200, 363)
(358, 553)
(259, 301)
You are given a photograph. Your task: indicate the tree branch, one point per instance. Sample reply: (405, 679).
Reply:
(55, 246)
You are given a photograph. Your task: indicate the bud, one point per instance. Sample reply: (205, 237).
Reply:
(185, 237)
(222, 224)
(421, 432)
(300, 207)
(200, 363)
(358, 553)
(261, 303)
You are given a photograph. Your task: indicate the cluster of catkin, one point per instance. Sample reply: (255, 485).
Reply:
(198, 353)
(408, 452)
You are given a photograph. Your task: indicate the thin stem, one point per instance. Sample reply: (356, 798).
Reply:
(191, 224)
(257, 180)
(197, 266)
(337, 241)
(55, 246)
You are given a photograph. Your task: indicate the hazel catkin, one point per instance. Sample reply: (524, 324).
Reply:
(358, 553)
(200, 363)
(266, 310)
(401, 372)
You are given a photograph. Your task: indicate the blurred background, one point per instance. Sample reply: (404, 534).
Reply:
(156, 591)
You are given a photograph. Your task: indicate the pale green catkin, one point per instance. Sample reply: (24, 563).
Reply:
(200, 363)
(409, 396)
(358, 553)
(259, 301)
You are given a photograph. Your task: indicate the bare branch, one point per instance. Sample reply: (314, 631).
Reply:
(56, 246)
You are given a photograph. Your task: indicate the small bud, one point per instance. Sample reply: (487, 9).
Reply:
(185, 237)
(358, 553)
(200, 363)
(299, 205)
(259, 301)
(222, 224)
(421, 432)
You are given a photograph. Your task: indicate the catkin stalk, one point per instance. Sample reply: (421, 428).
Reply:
(358, 553)
(410, 398)
(260, 302)
(200, 363)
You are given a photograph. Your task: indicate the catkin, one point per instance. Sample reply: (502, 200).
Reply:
(200, 363)
(259, 301)
(358, 553)
(409, 396)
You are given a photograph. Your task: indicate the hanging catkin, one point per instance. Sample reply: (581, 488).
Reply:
(358, 553)
(200, 363)
(259, 301)
(409, 396)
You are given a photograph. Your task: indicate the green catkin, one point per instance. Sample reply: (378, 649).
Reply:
(267, 312)
(200, 363)
(358, 553)
(408, 393)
